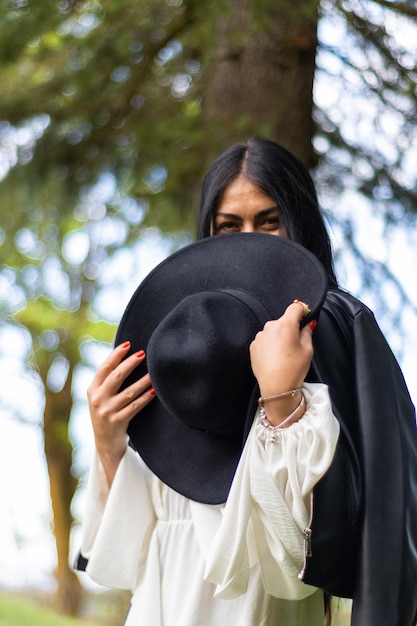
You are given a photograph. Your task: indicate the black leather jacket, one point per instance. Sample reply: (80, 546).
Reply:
(364, 530)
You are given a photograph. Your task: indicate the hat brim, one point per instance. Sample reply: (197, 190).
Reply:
(275, 271)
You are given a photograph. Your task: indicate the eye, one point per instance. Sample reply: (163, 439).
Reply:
(271, 223)
(226, 227)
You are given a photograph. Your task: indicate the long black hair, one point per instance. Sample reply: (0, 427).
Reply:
(283, 178)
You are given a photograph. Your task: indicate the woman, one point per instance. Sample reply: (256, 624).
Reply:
(243, 553)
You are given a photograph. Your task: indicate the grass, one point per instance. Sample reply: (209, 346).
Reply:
(22, 611)
(341, 612)
(101, 609)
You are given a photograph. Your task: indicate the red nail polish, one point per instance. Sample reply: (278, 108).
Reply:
(140, 354)
(152, 391)
(126, 344)
(313, 324)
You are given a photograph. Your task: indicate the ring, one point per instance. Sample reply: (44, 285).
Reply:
(306, 308)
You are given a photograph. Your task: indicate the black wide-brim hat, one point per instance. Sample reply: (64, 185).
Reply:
(195, 316)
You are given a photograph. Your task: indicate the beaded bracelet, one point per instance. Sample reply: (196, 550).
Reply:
(274, 429)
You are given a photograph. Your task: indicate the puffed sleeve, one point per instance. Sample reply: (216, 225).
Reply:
(269, 503)
(124, 510)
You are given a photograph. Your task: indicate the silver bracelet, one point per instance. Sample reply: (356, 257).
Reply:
(284, 394)
(274, 429)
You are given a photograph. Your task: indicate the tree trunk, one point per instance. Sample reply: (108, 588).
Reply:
(262, 68)
(58, 452)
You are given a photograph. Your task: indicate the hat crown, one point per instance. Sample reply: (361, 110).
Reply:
(198, 359)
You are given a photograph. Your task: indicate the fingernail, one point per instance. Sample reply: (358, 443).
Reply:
(140, 354)
(126, 344)
(313, 324)
(152, 391)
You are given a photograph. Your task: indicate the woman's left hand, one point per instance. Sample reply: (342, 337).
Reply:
(281, 355)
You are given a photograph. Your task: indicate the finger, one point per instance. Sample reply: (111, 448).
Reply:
(133, 408)
(118, 375)
(306, 335)
(134, 390)
(309, 328)
(292, 315)
(297, 311)
(304, 307)
(112, 361)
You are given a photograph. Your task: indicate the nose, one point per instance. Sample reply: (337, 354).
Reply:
(247, 227)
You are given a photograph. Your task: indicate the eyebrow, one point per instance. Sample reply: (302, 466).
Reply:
(261, 213)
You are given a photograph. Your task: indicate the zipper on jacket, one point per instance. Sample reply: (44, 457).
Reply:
(307, 532)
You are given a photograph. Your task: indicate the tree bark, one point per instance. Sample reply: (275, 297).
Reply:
(58, 452)
(262, 68)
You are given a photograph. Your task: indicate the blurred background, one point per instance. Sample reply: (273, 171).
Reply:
(110, 113)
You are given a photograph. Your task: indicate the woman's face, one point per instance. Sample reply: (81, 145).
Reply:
(245, 208)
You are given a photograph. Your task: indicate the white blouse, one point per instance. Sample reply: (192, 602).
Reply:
(193, 564)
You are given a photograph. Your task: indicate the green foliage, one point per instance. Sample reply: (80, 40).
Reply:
(21, 611)
(118, 87)
(98, 76)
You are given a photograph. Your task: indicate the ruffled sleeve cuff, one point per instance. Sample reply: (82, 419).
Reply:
(117, 523)
(268, 505)
(298, 456)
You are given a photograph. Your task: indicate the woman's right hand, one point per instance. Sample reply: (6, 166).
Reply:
(111, 409)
